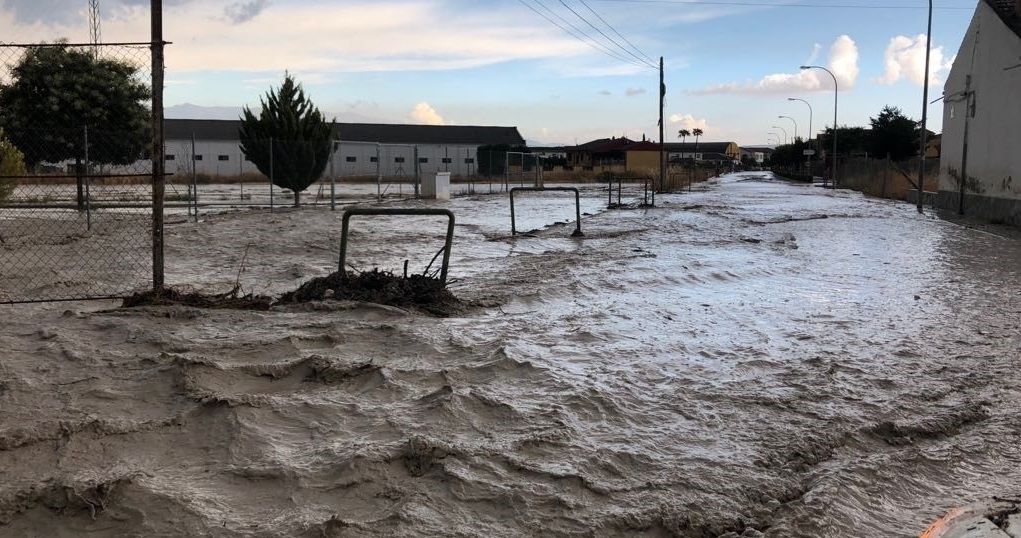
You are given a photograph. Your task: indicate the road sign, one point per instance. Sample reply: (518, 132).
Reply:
(808, 152)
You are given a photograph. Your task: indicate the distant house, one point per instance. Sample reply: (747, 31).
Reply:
(361, 148)
(980, 161)
(678, 152)
(602, 152)
(758, 154)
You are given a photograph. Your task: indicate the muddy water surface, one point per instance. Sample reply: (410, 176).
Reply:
(756, 355)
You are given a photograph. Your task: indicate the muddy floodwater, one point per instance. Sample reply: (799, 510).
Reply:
(753, 355)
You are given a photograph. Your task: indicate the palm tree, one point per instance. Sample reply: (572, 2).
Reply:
(682, 134)
(697, 133)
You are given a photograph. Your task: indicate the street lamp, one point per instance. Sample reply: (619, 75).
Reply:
(836, 91)
(795, 126)
(810, 113)
(784, 132)
(925, 112)
(777, 135)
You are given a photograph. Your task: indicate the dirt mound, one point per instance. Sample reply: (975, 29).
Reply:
(381, 287)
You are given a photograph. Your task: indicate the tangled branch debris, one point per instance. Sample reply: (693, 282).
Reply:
(381, 287)
(233, 299)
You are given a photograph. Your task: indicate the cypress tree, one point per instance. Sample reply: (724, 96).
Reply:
(296, 133)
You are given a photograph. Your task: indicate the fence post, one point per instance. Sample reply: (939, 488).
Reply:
(271, 177)
(379, 171)
(194, 179)
(88, 204)
(158, 151)
(241, 173)
(333, 176)
(418, 171)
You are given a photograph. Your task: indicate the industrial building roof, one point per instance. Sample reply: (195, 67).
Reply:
(384, 133)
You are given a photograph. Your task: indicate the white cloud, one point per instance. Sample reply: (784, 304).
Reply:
(631, 92)
(687, 121)
(377, 35)
(905, 59)
(843, 62)
(425, 113)
(605, 92)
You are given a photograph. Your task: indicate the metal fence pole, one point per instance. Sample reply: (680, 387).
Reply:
(379, 171)
(271, 175)
(333, 176)
(241, 173)
(88, 204)
(194, 179)
(158, 162)
(418, 171)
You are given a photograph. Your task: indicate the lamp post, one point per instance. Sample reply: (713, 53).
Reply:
(784, 132)
(925, 113)
(777, 135)
(795, 139)
(810, 114)
(836, 93)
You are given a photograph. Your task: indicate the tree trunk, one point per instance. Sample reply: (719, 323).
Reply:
(81, 183)
(297, 199)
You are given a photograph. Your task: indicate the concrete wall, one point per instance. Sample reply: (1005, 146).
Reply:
(993, 178)
(224, 158)
(878, 177)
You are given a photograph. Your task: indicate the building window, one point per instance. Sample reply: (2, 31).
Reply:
(198, 157)
(373, 159)
(224, 158)
(351, 159)
(447, 160)
(423, 159)
(469, 161)
(398, 159)
(169, 157)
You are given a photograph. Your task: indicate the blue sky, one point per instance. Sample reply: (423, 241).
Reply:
(730, 68)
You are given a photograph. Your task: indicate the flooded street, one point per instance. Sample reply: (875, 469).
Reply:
(756, 354)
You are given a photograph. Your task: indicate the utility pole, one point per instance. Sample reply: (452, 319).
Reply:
(158, 163)
(925, 113)
(662, 153)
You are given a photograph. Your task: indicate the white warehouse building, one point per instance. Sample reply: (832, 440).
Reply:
(359, 148)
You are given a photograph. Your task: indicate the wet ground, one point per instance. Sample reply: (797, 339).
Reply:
(758, 355)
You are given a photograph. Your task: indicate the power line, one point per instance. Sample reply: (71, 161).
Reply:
(766, 4)
(608, 38)
(588, 38)
(610, 26)
(590, 42)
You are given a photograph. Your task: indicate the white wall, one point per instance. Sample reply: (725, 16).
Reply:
(994, 133)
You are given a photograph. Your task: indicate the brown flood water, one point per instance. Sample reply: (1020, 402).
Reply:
(757, 355)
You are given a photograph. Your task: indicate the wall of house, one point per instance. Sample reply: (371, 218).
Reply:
(643, 162)
(993, 178)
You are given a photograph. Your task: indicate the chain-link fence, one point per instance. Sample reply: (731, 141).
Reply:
(75, 171)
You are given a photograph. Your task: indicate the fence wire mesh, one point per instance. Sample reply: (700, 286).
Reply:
(75, 171)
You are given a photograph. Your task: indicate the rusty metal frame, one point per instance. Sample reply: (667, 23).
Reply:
(345, 227)
(577, 205)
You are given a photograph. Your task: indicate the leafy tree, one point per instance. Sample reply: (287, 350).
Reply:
(290, 139)
(698, 133)
(12, 163)
(57, 91)
(893, 134)
(850, 141)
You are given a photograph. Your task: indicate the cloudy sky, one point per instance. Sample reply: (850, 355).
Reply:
(731, 65)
